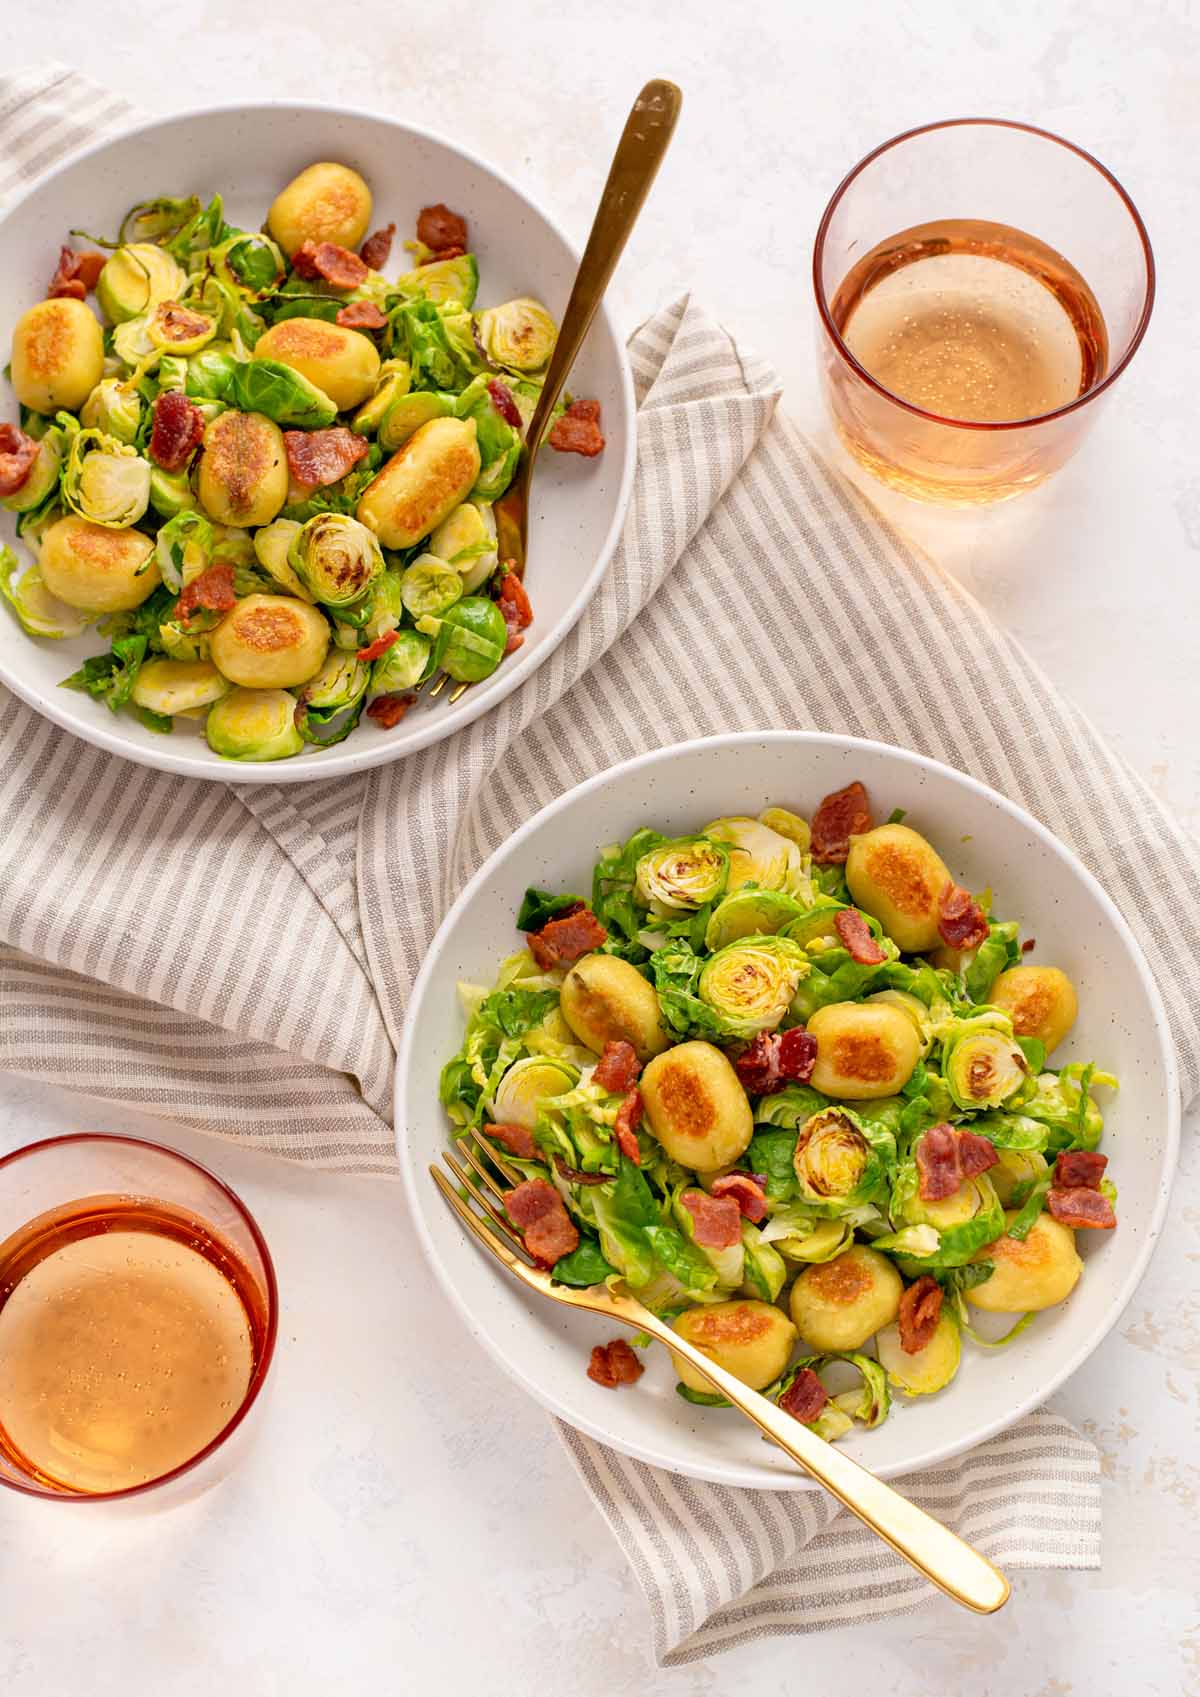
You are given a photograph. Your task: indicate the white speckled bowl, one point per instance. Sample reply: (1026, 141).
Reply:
(247, 153)
(986, 840)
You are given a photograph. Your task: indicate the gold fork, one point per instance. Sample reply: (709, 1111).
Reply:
(952, 1565)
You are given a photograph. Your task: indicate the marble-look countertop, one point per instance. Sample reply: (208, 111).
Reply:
(406, 1521)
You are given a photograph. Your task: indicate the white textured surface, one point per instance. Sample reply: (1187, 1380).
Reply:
(406, 1521)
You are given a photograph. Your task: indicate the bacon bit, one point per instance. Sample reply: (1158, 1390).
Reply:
(1079, 1168)
(629, 1117)
(717, 1219)
(514, 641)
(855, 933)
(976, 1153)
(320, 457)
(337, 265)
(375, 250)
(388, 710)
(540, 1213)
(939, 1167)
(614, 1364)
(618, 1067)
(577, 431)
(745, 1191)
(444, 253)
(505, 405)
(380, 646)
(75, 274)
(213, 590)
(841, 815)
(1028, 946)
(17, 454)
(962, 923)
(1081, 1207)
(440, 229)
(88, 266)
(361, 315)
(517, 1139)
(177, 430)
(514, 603)
(920, 1310)
(775, 1057)
(805, 1397)
(574, 1175)
(562, 940)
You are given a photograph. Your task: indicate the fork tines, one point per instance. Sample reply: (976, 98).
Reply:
(439, 684)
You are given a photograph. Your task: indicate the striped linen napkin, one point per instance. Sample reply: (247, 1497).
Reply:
(240, 958)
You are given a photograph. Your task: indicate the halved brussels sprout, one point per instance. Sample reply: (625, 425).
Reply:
(184, 549)
(408, 412)
(926, 1370)
(210, 374)
(429, 586)
(177, 686)
(39, 612)
(982, 1066)
(469, 640)
(272, 543)
(328, 707)
(758, 855)
(336, 557)
(136, 278)
(105, 481)
(764, 913)
(403, 665)
(288, 397)
(841, 1163)
(914, 1008)
(43, 476)
(814, 929)
(764, 1272)
(189, 644)
(681, 875)
(250, 261)
(180, 329)
(131, 343)
(113, 407)
(254, 724)
(467, 541)
(526, 1084)
(520, 334)
(822, 1242)
(171, 373)
(1016, 1170)
(171, 493)
(963, 1222)
(443, 280)
(395, 379)
(750, 984)
(788, 824)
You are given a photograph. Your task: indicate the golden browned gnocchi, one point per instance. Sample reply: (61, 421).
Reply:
(99, 569)
(57, 355)
(343, 364)
(864, 1050)
(1041, 1001)
(325, 203)
(899, 878)
(1030, 1273)
(243, 469)
(604, 1000)
(751, 1340)
(270, 642)
(423, 483)
(839, 1304)
(696, 1107)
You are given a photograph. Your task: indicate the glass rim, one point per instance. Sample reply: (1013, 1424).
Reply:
(262, 1366)
(967, 423)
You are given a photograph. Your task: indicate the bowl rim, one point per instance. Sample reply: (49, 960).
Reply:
(737, 1474)
(442, 723)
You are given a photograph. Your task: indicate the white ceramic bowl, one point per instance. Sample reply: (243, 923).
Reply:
(986, 840)
(247, 153)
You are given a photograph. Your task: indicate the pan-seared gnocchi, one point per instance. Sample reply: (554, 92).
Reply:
(896, 876)
(96, 567)
(270, 642)
(57, 356)
(327, 202)
(751, 1340)
(696, 1106)
(343, 364)
(422, 484)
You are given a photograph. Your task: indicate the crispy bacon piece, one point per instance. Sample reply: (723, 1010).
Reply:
(625, 1126)
(440, 229)
(177, 430)
(614, 1364)
(562, 940)
(962, 923)
(745, 1191)
(388, 710)
(320, 457)
(380, 646)
(540, 1213)
(939, 1168)
(976, 1153)
(773, 1058)
(514, 604)
(618, 1067)
(361, 315)
(855, 933)
(805, 1397)
(1080, 1206)
(212, 590)
(444, 253)
(377, 247)
(1028, 946)
(841, 815)
(75, 274)
(517, 1139)
(17, 454)
(502, 400)
(920, 1309)
(717, 1219)
(1079, 1168)
(337, 265)
(577, 431)
(575, 1175)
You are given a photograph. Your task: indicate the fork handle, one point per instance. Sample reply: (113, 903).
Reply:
(953, 1566)
(644, 142)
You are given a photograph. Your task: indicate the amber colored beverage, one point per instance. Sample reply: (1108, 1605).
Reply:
(129, 1335)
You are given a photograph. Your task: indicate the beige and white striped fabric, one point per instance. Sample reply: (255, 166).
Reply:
(241, 959)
